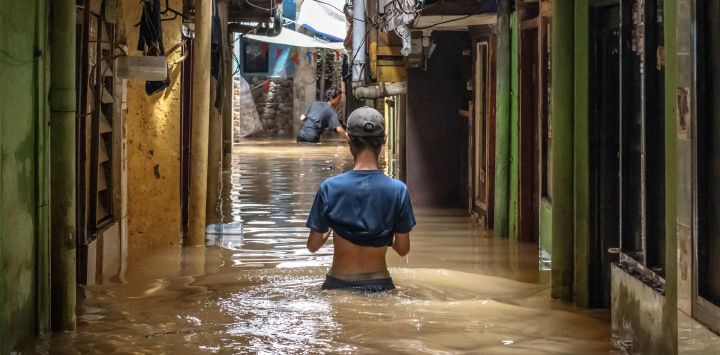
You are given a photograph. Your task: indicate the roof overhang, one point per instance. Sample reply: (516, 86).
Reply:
(296, 39)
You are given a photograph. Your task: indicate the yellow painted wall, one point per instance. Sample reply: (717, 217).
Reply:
(153, 142)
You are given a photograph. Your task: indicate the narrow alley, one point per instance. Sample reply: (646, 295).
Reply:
(492, 176)
(457, 292)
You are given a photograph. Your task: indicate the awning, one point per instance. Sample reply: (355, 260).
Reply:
(324, 17)
(292, 38)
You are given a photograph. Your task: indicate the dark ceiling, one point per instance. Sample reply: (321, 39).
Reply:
(253, 10)
(458, 7)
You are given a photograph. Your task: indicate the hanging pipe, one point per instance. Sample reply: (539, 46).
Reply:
(359, 42)
(62, 164)
(380, 90)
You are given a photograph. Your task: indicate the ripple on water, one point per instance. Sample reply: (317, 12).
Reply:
(284, 311)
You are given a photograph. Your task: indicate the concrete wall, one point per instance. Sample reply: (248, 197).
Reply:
(23, 173)
(153, 143)
(436, 134)
(637, 315)
(304, 86)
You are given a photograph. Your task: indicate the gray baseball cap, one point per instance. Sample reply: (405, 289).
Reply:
(366, 122)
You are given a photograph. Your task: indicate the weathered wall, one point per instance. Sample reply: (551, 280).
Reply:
(436, 134)
(304, 87)
(637, 315)
(581, 155)
(562, 150)
(23, 194)
(153, 143)
(273, 99)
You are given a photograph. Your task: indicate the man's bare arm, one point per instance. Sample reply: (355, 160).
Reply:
(401, 244)
(341, 132)
(316, 240)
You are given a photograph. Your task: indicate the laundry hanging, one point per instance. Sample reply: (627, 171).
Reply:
(150, 41)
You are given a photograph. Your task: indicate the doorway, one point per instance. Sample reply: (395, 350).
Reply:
(604, 144)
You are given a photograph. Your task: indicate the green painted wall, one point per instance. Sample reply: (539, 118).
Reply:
(581, 156)
(23, 168)
(502, 122)
(562, 150)
(513, 204)
(670, 320)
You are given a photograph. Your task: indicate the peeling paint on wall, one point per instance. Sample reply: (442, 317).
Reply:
(153, 134)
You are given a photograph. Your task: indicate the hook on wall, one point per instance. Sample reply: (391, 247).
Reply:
(167, 9)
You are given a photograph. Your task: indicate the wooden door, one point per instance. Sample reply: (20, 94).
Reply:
(483, 130)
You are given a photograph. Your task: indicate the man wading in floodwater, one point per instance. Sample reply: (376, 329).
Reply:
(367, 211)
(320, 116)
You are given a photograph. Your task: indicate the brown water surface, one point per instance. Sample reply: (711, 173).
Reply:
(459, 289)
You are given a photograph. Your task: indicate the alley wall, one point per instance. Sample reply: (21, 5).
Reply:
(23, 173)
(436, 133)
(153, 141)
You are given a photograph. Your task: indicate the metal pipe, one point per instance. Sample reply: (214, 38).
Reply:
(380, 90)
(359, 41)
(62, 164)
(201, 122)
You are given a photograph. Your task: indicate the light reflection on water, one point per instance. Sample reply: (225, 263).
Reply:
(260, 292)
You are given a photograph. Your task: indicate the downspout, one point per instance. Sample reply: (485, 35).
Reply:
(359, 39)
(62, 164)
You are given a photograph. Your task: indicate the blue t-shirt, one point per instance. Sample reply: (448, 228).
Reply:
(319, 116)
(363, 206)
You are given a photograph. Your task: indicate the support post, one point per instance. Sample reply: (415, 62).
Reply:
(63, 164)
(502, 121)
(227, 115)
(212, 215)
(562, 151)
(201, 122)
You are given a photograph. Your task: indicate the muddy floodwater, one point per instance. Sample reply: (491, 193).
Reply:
(459, 290)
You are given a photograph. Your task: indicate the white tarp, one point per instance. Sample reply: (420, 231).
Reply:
(292, 38)
(324, 17)
(244, 106)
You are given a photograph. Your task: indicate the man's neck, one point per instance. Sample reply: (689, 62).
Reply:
(366, 160)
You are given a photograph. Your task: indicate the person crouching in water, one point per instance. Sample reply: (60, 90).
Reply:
(319, 117)
(366, 210)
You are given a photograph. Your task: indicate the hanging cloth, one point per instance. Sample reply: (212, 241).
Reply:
(151, 42)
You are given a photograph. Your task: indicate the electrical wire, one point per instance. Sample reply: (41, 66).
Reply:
(355, 56)
(341, 11)
(260, 7)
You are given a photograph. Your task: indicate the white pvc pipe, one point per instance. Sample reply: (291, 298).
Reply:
(381, 90)
(359, 41)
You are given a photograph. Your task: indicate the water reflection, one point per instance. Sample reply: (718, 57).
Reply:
(459, 290)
